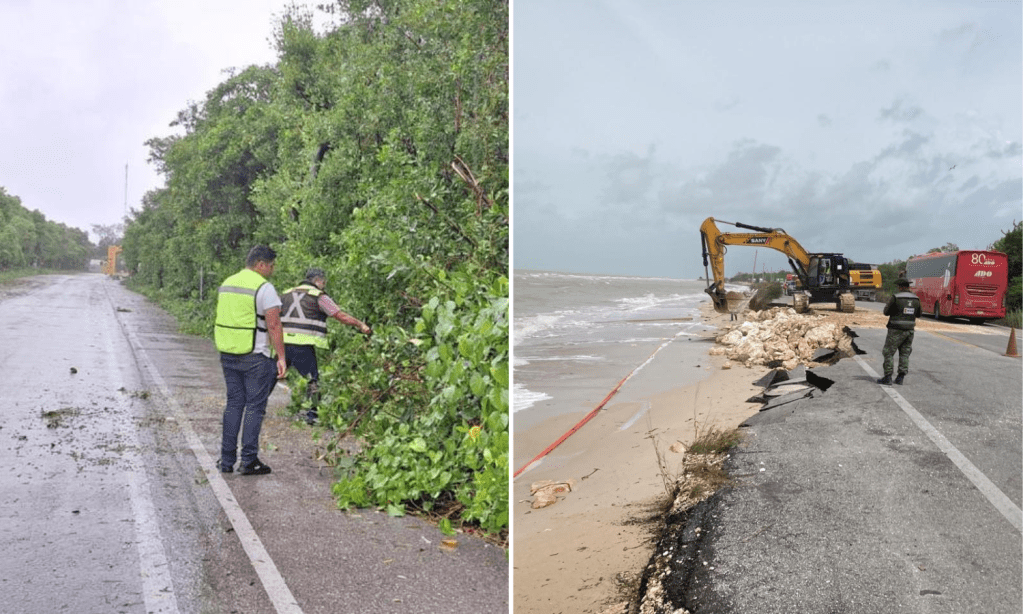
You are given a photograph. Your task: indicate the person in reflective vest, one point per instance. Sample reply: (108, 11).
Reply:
(248, 335)
(304, 313)
(902, 309)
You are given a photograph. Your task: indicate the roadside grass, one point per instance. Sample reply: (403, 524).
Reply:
(700, 473)
(715, 441)
(1012, 318)
(705, 475)
(14, 274)
(766, 292)
(194, 316)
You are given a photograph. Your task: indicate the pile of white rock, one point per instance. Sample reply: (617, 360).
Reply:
(781, 337)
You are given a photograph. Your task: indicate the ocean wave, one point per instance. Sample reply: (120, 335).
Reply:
(524, 399)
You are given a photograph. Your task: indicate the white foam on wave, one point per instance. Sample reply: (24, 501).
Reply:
(661, 309)
(524, 399)
(578, 357)
(539, 325)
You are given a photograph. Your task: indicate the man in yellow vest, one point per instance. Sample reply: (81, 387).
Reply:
(248, 334)
(304, 312)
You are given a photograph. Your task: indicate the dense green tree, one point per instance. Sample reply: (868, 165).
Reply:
(377, 150)
(890, 271)
(27, 238)
(108, 234)
(1011, 244)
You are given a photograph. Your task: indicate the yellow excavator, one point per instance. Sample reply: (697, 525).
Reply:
(824, 277)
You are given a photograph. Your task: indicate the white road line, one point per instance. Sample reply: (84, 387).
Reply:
(157, 585)
(997, 498)
(276, 589)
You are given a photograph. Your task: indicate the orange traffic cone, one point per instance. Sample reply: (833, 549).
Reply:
(1011, 350)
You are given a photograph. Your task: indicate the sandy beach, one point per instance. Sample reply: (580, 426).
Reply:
(572, 556)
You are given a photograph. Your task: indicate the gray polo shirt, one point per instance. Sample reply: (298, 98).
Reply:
(266, 298)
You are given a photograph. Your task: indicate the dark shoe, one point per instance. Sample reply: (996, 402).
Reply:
(256, 467)
(886, 380)
(225, 468)
(900, 378)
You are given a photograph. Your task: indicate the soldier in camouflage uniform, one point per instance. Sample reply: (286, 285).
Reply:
(903, 309)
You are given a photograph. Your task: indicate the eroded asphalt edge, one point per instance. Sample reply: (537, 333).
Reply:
(686, 537)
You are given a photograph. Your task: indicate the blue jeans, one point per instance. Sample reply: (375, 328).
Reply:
(250, 378)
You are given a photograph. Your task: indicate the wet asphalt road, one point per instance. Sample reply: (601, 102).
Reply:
(843, 503)
(107, 507)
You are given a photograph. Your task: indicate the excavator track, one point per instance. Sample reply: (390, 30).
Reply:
(846, 302)
(800, 302)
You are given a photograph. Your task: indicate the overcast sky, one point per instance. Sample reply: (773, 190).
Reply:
(83, 85)
(877, 129)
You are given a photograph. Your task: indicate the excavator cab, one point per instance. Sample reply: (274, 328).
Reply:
(827, 277)
(828, 270)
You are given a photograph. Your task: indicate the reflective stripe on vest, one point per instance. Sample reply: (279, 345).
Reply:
(303, 321)
(237, 320)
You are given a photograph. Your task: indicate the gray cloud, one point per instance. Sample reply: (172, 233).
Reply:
(897, 113)
(853, 159)
(726, 104)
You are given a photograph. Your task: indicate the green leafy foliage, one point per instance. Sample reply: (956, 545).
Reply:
(378, 151)
(28, 239)
(1011, 244)
(890, 271)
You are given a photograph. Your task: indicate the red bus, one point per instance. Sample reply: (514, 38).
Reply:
(964, 284)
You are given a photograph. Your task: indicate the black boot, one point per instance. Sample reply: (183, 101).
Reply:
(899, 378)
(886, 380)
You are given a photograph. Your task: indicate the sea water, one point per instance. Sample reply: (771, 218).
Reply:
(575, 336)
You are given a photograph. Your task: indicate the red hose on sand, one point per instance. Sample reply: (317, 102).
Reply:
(596, 409)
(575, 428)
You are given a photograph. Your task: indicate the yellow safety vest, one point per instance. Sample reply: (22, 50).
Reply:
(237, 320)
(303, 321)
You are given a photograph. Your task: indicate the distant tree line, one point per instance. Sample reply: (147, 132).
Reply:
(28, 239)
(378, 151)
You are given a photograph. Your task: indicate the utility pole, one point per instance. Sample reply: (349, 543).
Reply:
(126, 189)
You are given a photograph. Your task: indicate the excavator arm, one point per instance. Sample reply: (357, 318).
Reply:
(715, 245)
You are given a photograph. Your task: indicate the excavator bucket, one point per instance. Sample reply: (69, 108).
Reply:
(729, 302)
(721, 306)
(718, 299)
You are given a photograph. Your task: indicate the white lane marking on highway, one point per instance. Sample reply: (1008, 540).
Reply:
(997, 498)
(276, 589)
(157, 585)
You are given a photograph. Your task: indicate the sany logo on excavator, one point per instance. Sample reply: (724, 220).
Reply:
(757, 241)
